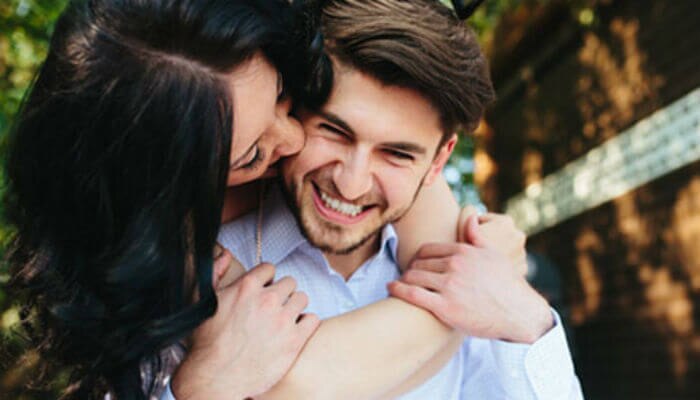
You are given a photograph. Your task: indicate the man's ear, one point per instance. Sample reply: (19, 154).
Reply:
(440, 160)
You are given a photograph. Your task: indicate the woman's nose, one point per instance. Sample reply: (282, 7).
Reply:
(288, 131)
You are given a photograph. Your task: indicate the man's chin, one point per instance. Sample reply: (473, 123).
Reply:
(335, 241)
(340, 249)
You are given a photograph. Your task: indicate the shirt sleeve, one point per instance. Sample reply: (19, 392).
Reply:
(167, 393)
(543, 370)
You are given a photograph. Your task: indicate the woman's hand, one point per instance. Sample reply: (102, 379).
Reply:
(497, 231)
(474, 288)
(252, 340)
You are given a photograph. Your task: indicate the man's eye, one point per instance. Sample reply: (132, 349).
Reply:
(399, 155)
(333, 130)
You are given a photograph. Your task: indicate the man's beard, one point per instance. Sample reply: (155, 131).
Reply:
(326, 248)
(307, 225)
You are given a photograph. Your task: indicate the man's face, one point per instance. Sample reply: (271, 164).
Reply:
(368, 151)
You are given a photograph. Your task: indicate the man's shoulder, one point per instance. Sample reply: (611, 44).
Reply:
(238, 237)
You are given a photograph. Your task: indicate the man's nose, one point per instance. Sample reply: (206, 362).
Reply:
(352, 177)
(288, 132)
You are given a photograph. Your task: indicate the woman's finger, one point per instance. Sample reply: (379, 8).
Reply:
(464, 214)
(231, 274)
(430, 264)
(438, 250)
(284, 287)
(222, 263)
(296, 304)
(416, 295)
(426, 279)
(262, 274)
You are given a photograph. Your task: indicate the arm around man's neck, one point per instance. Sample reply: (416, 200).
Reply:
(378, 351)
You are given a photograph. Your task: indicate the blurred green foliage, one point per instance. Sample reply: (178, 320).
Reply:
(25, 28)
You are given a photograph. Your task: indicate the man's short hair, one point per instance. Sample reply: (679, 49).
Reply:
(416, 44)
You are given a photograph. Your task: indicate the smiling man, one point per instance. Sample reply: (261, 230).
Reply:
(369, 150)
(407, 75)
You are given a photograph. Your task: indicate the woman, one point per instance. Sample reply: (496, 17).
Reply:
(141, 116)
(117, 168)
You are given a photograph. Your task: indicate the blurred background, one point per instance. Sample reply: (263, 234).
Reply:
(593, 148)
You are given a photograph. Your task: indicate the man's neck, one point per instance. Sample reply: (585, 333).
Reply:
(347, 264)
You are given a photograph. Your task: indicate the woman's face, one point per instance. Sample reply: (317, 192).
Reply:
(263, 130)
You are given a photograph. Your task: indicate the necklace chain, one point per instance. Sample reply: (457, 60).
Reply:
(258, 227)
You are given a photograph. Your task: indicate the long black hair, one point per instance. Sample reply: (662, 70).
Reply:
(116, 170)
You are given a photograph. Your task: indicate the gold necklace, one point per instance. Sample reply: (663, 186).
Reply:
(258, 226)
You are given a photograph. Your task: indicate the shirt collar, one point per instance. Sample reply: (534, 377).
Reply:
(389, 242)
(281, 234)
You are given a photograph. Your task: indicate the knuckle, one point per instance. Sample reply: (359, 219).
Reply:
(268, 269)
(454, 263)
(247, 284)
(422, 251)
(410, 275)
(412, 293)
(302, 298)
(451, 283)
(269, 300)
(462, 249)
(289, 282)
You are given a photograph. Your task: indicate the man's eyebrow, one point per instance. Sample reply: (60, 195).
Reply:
(407, 147)
(240, 159)
(402, 146)
(336, 120)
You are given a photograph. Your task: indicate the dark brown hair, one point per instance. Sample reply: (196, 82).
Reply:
(116, 171)
(417, 44)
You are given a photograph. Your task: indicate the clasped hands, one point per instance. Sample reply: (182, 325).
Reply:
(478, 286)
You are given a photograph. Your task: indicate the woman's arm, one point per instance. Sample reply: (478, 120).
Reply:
(433, 218)
(366, 353)
(347, 357)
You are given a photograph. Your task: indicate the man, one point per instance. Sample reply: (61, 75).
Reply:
(407, 75)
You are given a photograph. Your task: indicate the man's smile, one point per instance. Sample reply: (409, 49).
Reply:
(336, 210)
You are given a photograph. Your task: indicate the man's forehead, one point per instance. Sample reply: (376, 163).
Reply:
(361, 104)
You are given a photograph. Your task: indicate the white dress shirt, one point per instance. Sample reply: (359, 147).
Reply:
(481, 370)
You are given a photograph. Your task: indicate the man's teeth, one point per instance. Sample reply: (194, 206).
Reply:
(339, 206)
